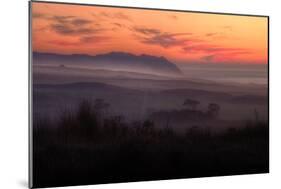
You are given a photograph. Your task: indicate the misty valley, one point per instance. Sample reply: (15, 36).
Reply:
(126, 117)
(138, 95)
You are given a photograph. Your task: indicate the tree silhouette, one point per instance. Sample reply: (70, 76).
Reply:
(191, 103)
(100, 105)
(256, 115)
(87, 119)
(213, 110)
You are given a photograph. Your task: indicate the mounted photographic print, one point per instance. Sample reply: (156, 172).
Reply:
(120, 94)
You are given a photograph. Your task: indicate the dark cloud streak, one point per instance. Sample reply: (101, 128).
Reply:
(211, 34)
(208, 58)
(174, 17)
(214, 51)
(210, 49)
(72, 25)
(80, 22)
(227, 28)
(117, 16)
(65, 29)
(37, 15)
(82, 41)
(157, 37)
(146, 31)
(93, 39)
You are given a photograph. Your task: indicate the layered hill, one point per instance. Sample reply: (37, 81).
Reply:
(113, 61)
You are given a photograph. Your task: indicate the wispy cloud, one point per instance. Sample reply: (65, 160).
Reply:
(38, 15)
(63, 43)
(80, 22)
(110, 16)
(208, 58)
(146, 31)
(205, 48)
(226, 27)
(157, 37)
(118, 25)
(173, 17)
(71, 25)
(165, 40)
(61, 19)
(81, 41)
(94, 39)
(211, 34)
(120, 15)
(214, 52)
(66, 29)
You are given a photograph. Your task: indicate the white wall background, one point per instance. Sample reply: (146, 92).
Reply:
(14, 92)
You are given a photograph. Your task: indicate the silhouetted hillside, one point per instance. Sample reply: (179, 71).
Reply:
(92, 86)
(114, 61)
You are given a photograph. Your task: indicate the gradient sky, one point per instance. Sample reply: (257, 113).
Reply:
(182, 37)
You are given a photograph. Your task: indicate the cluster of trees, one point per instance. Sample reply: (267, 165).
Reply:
(213, 108)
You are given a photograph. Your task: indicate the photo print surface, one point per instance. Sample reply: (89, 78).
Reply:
(128, 94)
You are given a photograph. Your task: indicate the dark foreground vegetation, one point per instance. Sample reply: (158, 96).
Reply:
(87, 146)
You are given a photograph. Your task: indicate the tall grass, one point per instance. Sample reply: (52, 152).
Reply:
(87, 146)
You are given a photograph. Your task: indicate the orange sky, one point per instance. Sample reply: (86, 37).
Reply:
(179, 36)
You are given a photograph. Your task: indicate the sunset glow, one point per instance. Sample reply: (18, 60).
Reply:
(182, 37)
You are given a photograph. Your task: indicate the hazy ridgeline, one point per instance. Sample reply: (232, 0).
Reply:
(99, 125)
(136, 95)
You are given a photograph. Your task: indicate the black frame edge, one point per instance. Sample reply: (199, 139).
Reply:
(30, 132)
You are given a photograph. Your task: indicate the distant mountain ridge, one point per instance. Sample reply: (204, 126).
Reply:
(114, 61)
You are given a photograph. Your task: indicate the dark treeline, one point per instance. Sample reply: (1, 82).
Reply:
(89, 146)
